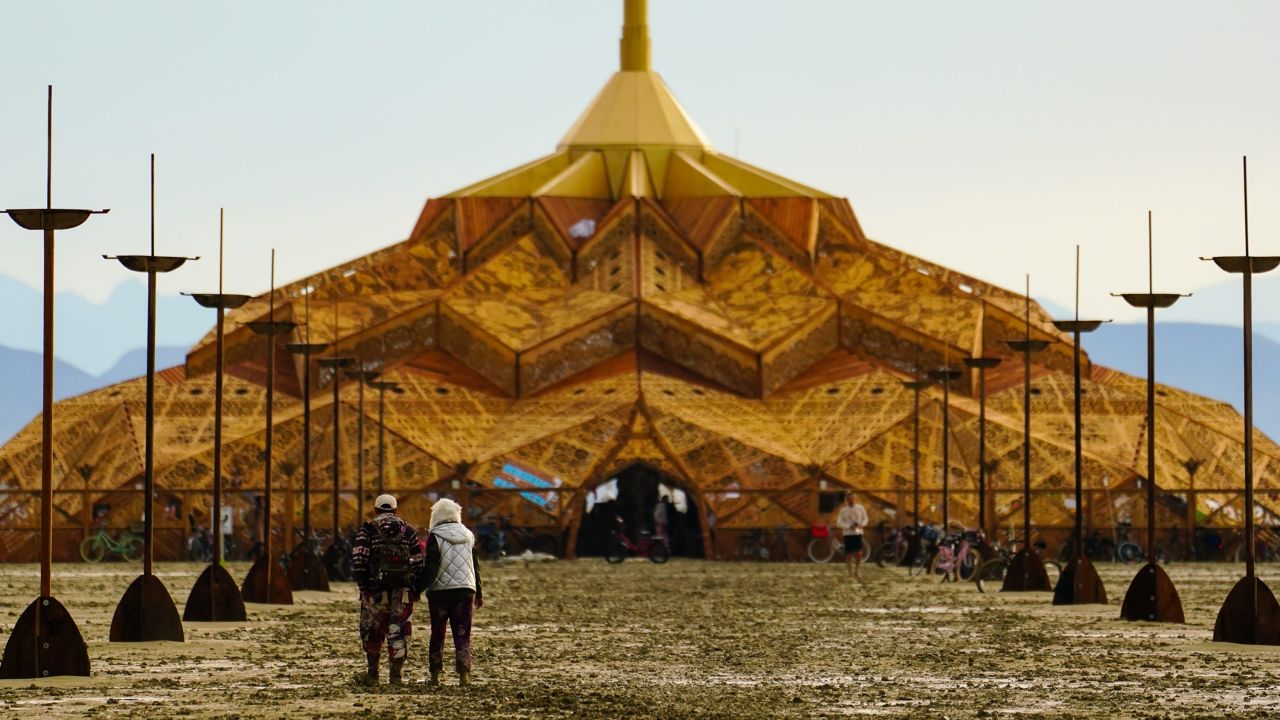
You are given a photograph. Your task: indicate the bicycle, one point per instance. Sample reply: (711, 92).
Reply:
(957, 558)
(930, 537)
(654, 548)
(993, 570)
(129, 545)
(754, 545)
(520, 539)
(337, 558)
(1127, 551)
(825, 546)
(200, 545)
(896, 545)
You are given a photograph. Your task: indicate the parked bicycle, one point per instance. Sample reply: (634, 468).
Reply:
(957, 558)
(620, 546)
(895, 546)
(825, 546)
(337, 557)
(991, 572)
(127, 545)
(200, 545)
(759, 545)
(497, 538)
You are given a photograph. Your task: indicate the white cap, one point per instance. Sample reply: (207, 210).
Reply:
(385, 503)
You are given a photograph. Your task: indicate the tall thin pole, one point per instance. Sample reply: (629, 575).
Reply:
(217, 406)
(46, 415)
(271, 389)
(1249, 558)
(1026, 426)
(1079, 440)
(382, 431)
(982, 449)
(946, 447)
(306, 424)
(360, 454)
(149, 453)
(1151, 397)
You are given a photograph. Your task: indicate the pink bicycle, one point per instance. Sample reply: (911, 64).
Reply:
(957, 559)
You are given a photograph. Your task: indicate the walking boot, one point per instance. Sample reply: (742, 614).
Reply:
(369, 678)
(396, 666)
(464, 677)
(435, 677)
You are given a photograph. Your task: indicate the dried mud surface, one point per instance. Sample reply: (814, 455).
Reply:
(689, 639)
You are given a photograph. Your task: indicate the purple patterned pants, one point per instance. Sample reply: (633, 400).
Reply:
(386, 617)
(457, 615)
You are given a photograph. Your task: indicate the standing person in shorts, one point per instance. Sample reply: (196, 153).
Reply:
(851, 520)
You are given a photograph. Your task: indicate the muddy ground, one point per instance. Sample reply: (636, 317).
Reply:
(688, 639)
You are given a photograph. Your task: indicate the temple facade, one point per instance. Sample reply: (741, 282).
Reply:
(637, 298)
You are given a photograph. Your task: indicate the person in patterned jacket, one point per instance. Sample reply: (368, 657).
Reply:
(386, 561)
(452, 583)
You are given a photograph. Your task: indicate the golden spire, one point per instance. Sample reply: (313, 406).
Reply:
(634, 46)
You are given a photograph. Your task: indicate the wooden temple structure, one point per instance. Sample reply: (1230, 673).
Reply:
(637, 297)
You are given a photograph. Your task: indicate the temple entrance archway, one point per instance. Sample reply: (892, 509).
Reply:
(633, 494)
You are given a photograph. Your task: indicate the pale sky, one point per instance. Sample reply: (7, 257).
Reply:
(988, 136)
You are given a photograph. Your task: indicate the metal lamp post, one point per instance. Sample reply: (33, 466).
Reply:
(1250, 614)
(944, 376)
(265, 582)
(146, 612)
(363, 377)
(1026, 569)
(982, 365)
(306, 571)
(1151, 595)
(914, 549)
(382, 386)
(45, 641)
(1079, 583)
(215, 596)
(333, 554)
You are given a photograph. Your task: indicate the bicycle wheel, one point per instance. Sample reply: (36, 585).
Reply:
(545, 545)
(991, 571)
(920, 564)
(1128, 552)
(131, 549)
(92, 549)
(885, 556)
(969, 565)
(939, 567)
(746, 549)
(616, 553)
(821, 550)
(658, 552)
(1054, 571)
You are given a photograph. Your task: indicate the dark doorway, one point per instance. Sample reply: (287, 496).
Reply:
(632, 495)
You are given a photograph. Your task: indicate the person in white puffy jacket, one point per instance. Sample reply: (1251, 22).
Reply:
(451, 580)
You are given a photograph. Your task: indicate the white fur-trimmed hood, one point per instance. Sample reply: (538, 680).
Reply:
(445, 510)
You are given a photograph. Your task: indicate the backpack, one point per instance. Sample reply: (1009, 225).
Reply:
(389, 558)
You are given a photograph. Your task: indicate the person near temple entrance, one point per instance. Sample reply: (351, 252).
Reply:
(452, 583)
(851, 520)
(661, 515)
(386, 562)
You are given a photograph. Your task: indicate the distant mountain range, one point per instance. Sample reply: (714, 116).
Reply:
(94, 337)
(20, 381)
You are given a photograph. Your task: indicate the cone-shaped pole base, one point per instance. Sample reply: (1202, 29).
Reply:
(913, 550)
(1026, 573)
(335, 565)
(1079, 584)
(1152, 597)
(256, 589)
(1238, 622)
(146, 613)
(307, 572)
(44, 642)
(214, 598)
